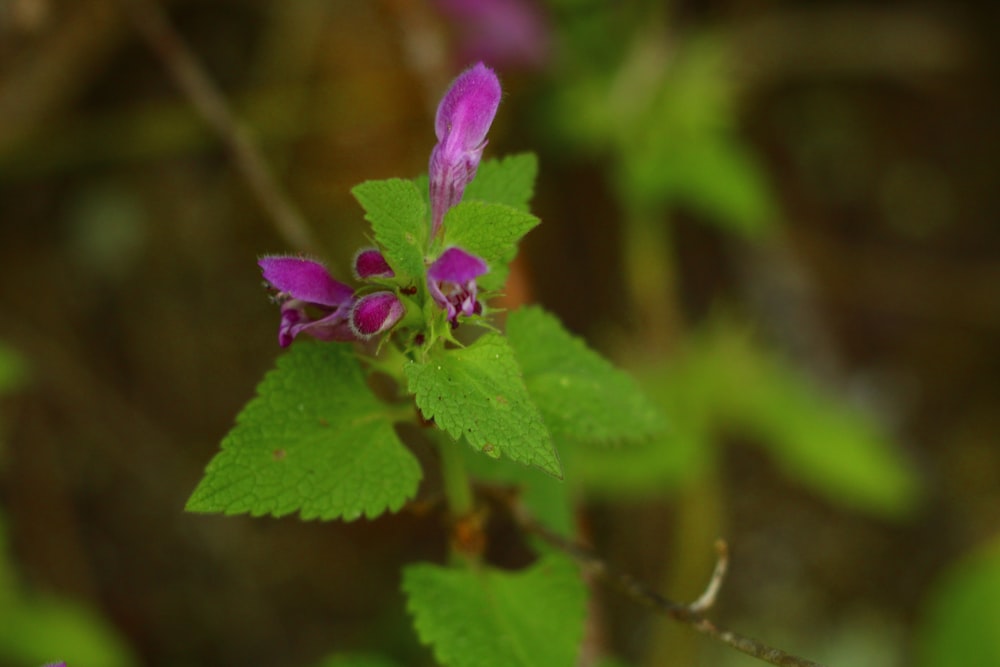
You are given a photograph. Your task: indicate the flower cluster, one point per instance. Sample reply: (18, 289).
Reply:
(314, 303)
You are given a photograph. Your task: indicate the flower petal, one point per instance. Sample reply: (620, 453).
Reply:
(457, 266)
(451, 281)
(306, 280)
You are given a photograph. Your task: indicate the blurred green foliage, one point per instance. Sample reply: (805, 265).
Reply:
(725, 382)
(13, 371)
(663, 111)
(961, 617)
(36, 628)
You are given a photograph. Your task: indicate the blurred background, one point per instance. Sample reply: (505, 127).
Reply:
(782, 216)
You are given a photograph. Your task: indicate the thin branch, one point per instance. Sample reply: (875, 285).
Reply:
(154, 26)
(691, 615)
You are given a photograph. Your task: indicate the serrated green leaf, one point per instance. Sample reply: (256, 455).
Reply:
(580, 394)
(490, 231)
(509, 180)
(398, 214)
(961, 624)
(315, 440)
(478, 393)
(487, 617)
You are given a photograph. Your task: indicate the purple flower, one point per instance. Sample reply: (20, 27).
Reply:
(375, 313)
(304, 288)
(370, 263)
(463, 119)
(451, 280)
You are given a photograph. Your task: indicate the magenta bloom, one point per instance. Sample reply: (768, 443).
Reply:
(375, 313)
(463, 118)
(311, 300)
(370, 263)
(451, 280)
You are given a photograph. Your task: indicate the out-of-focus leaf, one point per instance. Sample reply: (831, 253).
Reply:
(38, 631)
(726, 382)
(682, 148)
(12, 369)
(961, 621)
(668, 119)
(816, 438)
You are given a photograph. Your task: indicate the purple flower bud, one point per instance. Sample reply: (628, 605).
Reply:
(369, 263)
(463, 119)
(304, 288)
(451, 280)
(375, 313)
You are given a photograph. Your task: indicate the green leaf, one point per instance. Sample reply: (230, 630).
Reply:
(510, 181)
(35, 631)
(314, 440)
(490, 231)
(580, 394)
(398, 215)
(961, 624)
(487, 617)
(478, 392)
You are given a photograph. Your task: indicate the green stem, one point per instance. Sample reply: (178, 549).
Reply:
(457, 488)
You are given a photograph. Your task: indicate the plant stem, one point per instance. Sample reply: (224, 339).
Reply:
(457, 489)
